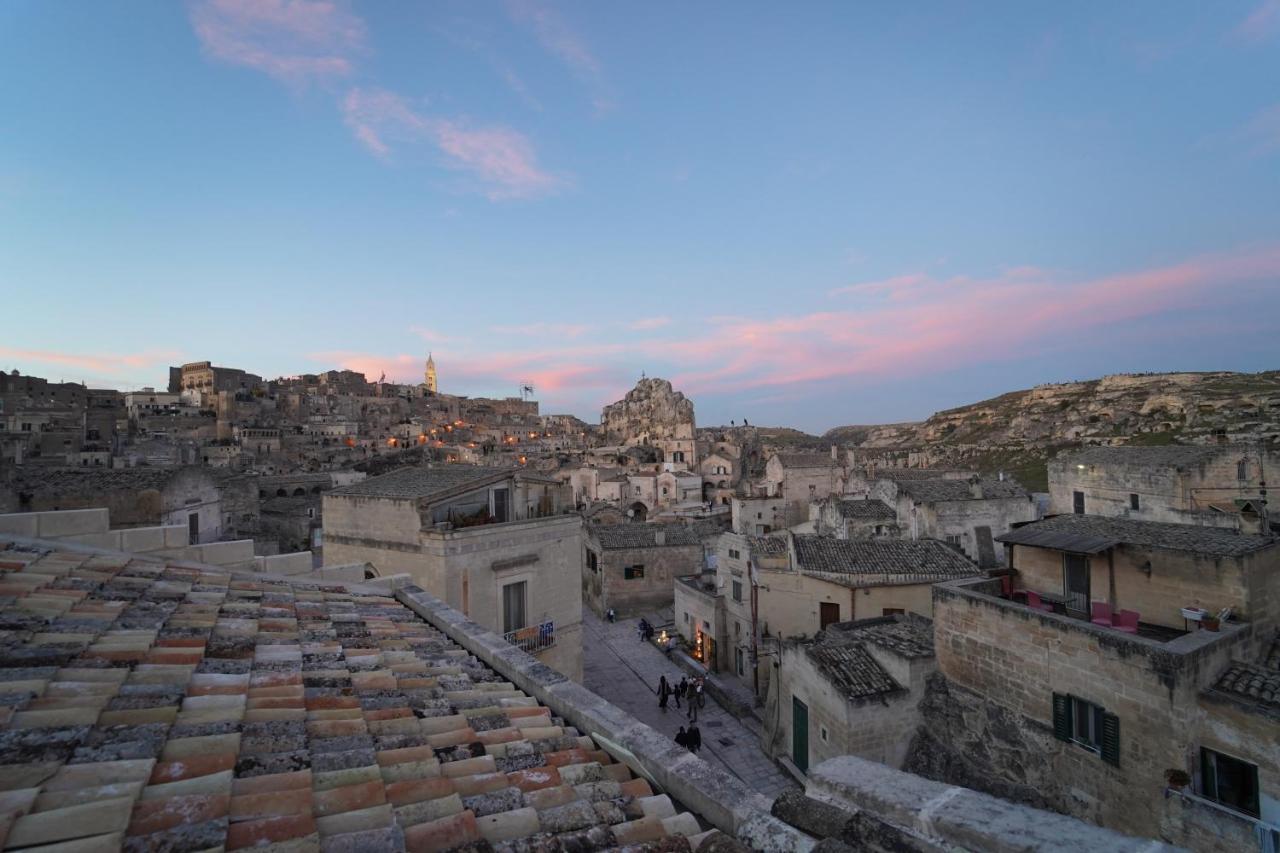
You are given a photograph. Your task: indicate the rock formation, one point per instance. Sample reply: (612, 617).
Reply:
(650, 412)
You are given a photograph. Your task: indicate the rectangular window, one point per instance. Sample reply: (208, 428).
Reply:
(1077, 503)
(953, 540)
(633, 573)
(1133, 501)
(1242, 469)
(737, 590)
(686, 617)
(892, 611)
(593, 562)
(1229, 781)
(513, 606)
(1079, 721)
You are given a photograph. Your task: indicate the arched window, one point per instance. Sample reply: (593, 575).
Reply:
(1242, 469)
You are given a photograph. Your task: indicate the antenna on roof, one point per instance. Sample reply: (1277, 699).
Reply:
(526, 391)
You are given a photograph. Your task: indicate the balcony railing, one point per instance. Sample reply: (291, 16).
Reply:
(534, 638)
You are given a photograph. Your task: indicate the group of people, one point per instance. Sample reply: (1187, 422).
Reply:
(691, 739)
(690, 691)
(644, 629)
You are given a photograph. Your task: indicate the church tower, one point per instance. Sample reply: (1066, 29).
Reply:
(430, 375)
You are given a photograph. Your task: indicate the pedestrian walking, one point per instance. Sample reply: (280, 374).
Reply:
(682, 738)
(698, 694)
(664, 693)
(694, 736)
(679, 690)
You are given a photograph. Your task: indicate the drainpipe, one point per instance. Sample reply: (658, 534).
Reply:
(755, 628)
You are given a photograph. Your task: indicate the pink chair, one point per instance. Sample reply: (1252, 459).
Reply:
(1127, 621)
(1034, 602)
(1101, 614)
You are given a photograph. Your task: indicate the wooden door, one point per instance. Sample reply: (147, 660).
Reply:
(828, 612)
(800, 734)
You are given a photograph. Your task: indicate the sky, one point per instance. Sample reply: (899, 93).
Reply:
(805, 214)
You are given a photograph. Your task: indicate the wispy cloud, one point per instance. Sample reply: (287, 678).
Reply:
(292, 40)
(557, 330)
(559, 39)
(501, 158)
(1261, 23)
(887, 285)
(649, 323)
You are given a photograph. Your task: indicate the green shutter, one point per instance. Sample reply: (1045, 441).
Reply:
(1061, 716)
(1111, 738)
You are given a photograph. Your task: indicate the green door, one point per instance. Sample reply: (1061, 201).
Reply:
(800, 734)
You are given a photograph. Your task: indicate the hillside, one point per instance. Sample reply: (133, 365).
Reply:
(1020, 431)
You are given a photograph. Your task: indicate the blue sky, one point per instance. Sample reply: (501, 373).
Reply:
(808, 214)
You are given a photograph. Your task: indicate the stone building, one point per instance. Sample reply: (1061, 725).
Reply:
(1051, 708)
(502, 545)
(212, 505)
(802, 478)
(800, 584)
(860, 518)
(203, 377)
(1175, 483)
(967, 514)
(757, 516)
(653, 414)
(631, 568)
(852, 690)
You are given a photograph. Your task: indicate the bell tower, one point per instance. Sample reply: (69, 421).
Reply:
(430, 375)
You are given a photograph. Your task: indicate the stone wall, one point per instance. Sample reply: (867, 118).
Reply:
(1003, 662)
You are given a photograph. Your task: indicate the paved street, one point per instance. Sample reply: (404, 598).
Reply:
(625, 671)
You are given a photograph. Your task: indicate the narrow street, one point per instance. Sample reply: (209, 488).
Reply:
(622, 669)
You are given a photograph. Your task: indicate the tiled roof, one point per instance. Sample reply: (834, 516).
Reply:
(901, 474)
(876, 509)
(613, 537)
(851, 669)
(1094, 533)
(932, 491)
(768, 544)
(906, 634)
(148, 707)
(1166, 456)
(806, 460)
(1251, 682)
(858, 562)
(422, 481)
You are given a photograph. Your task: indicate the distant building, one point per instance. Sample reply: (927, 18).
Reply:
(500, 544)
(429, 376)
(1176, 483)
(853, 518)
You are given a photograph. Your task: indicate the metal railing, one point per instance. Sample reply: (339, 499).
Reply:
(533, 638)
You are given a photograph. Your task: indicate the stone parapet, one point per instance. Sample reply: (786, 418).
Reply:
(931, 815)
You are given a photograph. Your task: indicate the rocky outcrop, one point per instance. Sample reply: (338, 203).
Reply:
(1113, 410)
(650, 412)
(966, 740)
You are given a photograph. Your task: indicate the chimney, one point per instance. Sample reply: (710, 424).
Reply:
(975, 487)
(659, 537)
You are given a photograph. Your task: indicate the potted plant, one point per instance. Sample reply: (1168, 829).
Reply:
(1209, 623)
(1176, 779)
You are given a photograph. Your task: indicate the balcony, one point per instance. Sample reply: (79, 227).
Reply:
(534, 638)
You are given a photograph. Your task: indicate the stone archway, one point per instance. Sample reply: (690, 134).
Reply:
(638, 511)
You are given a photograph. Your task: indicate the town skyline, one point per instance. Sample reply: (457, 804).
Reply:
(901, 211)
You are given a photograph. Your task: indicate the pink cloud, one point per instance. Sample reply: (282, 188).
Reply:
(111, 367)
(502, 158)
(559, 39)
(291, 40)
(1261, 22)
(945, 324)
